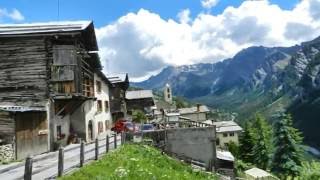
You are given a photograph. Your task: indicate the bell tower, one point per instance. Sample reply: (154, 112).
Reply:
(167, 92)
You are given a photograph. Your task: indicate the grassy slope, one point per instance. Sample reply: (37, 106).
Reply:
(138, 162)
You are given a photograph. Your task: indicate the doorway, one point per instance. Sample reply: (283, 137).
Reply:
(90, 130)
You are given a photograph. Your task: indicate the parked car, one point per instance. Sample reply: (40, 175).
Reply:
(123, 126)
(147, 127)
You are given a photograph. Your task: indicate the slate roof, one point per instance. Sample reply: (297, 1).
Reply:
(257, 173)
(86, 28)
(103, 77)
(21, 108)
(225, 155)
(191, 110)
(141, 94)
(226, 126)
(117, 78)
(172, 114)
(31, 28)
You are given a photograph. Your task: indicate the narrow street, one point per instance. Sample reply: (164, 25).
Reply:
(45, 166)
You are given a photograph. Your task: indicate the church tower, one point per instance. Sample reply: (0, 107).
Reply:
(167, 94)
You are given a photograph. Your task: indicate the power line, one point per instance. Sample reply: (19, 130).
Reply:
(58, 10)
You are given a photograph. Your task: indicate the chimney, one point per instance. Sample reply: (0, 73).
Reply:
(198, 107)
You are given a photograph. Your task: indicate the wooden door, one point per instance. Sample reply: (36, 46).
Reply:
(31, 134)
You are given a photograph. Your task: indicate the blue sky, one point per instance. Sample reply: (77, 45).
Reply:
(142, 37)
(106, 11)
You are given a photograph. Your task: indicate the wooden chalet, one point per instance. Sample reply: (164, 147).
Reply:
(47, 72)
(139, 100)
(120, 84)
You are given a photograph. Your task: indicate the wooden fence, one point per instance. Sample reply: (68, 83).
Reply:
(60, 169)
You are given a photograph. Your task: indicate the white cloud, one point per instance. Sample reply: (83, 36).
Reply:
(142, 43)
(184, 16)
(209, 3)
(14, 14)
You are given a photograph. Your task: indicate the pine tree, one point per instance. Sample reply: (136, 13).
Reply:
(287, 157)
(262, 143)
(246, 143)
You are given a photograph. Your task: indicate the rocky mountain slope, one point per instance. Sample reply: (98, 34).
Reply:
(257, 79)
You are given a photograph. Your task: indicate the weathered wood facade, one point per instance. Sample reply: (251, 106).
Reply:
(120, 84)
(23, 71)
(6, 127)
(139, 100)
(46, 73)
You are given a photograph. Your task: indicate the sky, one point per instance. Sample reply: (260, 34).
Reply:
(143, 36)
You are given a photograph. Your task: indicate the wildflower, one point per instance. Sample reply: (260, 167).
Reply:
(121, 172)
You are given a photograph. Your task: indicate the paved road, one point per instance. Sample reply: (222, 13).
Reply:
(46, 166)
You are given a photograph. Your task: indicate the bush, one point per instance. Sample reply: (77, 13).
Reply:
(310, 171)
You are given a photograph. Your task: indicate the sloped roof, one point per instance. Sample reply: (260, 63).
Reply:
(172, 114)
(191, 110)
(257, 173)
(225, 155)
(63, 26)
(141, 94)
(21, 108)
(85, 28)
(118, 78)
(103, 77)
(226, 126)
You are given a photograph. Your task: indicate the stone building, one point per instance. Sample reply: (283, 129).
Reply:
(227, 131)
(94, 117)
(195, 113)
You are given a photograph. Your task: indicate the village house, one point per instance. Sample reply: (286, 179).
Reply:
(47, 73)
(166, 109)
(120, 84)
(166, 116)
(196, 113)
(94, 119)
(140, 100)
(227, 131)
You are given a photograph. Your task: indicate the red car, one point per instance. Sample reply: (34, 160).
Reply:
(123, 126)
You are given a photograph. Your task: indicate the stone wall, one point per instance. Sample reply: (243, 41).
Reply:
(196, 143)
(6, 153)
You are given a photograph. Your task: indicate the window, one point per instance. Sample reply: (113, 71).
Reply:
(225, 134)
(107, 124)
(99, 106)
(231, 134)
(100, 127)
(106, 106)
(168, 96)
(88, 87)
(98, 83)
(218, 142)
(168, 90)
